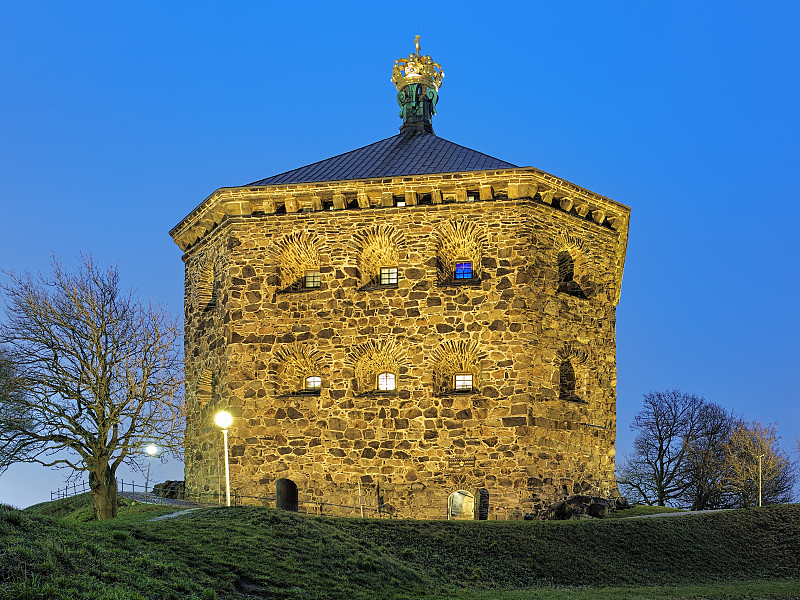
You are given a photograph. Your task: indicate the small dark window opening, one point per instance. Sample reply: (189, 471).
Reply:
(566, 382)
(463, 270)
(399, 200)
(566, 267)
(566, 276)
(327, 205)
(473, 196)
(281, 210)
(425, 199)
(353, 203)
(312, 279)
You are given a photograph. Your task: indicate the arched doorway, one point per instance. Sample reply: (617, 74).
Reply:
(461, 505)
(286, 495)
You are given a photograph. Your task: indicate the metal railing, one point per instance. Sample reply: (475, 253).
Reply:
(70, 490)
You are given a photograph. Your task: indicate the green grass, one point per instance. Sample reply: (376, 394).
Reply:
(641, 510)
(248, 552)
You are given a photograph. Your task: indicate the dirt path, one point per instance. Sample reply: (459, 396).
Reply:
(172, 515)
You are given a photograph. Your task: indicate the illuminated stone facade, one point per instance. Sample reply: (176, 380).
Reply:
(486, 299)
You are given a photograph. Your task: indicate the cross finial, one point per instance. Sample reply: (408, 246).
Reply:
(416, 43)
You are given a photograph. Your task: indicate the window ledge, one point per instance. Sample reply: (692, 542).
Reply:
(459, 392)
(371, 287)
(460, 282)
(574, 399)
(291, 290)
(377, 393)
(301, 393)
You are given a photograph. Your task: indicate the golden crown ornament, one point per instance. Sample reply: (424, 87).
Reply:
(417, 69)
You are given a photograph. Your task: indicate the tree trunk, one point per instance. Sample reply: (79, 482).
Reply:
(104, 492)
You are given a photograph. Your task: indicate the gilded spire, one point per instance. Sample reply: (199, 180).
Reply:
(417, 79)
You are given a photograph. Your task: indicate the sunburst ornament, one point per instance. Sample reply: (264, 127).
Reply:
(417, 69)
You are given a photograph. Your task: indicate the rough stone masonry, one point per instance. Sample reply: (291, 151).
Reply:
(389, 341)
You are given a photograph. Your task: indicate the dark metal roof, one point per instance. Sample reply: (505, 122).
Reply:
(414, 153)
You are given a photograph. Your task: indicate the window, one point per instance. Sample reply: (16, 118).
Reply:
(388, 275)
(473, 196)
(566, 276)
(313, 383)
(462, 382)
(566, 267)
(566, 381)
(312, 279)
(399, 200)
(386, 382)
(463, 270)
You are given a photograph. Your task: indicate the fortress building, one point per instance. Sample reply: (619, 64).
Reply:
(412, 326)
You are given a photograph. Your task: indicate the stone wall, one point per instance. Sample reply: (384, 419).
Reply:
(540, 420)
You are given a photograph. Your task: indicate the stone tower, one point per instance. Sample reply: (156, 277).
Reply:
(413, 327)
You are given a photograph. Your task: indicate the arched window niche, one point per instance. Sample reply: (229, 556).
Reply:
(378, 256)
(460, 247)
(297, 257)
(456, 367)
(571, 267)
(377, 366)
(572, 374)
(297, 369)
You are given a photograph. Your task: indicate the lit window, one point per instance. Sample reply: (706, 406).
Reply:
(399, 200)
(473, 196)
(388, 275)
(463, 381)
(463, 270)
(312, 279)
(386, 382)
(313, 383)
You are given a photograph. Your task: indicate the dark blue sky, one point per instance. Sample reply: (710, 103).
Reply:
(116, 119)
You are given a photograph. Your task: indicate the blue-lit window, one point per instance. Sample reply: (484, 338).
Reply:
(463, 270)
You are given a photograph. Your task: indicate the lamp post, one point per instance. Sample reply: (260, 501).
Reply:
(760, 456)
(151, 450)
(224, 419)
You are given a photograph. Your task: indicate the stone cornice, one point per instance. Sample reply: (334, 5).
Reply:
(511, 184)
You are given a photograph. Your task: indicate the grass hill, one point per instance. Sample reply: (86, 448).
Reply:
(249, 552)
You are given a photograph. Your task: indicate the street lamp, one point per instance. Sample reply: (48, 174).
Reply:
(151, 450)
(224, 419)
(760, 456)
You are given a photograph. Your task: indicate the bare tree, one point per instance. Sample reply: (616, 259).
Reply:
(748, 442)
(705, 473)
(656, 471)
(100, 373)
